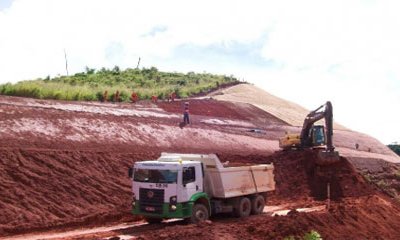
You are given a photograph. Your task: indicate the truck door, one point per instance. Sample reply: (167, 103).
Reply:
(192, 180)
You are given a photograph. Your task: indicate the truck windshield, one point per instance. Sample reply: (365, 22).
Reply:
(155, 176)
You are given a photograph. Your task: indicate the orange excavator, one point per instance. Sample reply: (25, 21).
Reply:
(315, 136)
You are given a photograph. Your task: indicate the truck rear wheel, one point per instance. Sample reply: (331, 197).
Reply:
(243, 207)
(199, 213)
(153, 220)
(257, 205)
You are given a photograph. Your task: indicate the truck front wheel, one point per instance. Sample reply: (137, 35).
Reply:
(257, 205)
(199, 213)
(243, 207)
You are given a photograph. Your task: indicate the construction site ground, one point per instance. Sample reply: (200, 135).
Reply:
(64, 170)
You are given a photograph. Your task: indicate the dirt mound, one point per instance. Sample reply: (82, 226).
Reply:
(298, 177)
(366, 218)
(42, 189)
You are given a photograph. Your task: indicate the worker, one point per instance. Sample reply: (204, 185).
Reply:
(105, 96)
(154, 99)
(172, 96)
(134, 97)
(357, 146)
(186, 114)
(116, 96)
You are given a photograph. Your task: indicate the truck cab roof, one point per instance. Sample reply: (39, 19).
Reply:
(169, 160)
(210, 160)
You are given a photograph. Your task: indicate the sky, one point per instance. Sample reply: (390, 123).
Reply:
(307, 52)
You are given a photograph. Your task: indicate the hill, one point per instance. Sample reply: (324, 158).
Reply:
(64, 163)
(294, 114)
(91, 85)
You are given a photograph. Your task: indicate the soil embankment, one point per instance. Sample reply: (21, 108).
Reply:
(356, 210)
(65, 164)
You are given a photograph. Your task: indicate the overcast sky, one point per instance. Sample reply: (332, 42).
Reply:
(304, 51)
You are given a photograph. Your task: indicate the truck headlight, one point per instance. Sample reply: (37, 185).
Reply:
(172, 203)
(172, 200)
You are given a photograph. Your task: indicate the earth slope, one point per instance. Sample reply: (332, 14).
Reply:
(64, 164)
(293, 114)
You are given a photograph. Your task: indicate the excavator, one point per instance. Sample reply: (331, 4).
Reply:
(314, 136)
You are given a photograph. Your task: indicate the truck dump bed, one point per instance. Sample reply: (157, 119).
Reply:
(226, 182)
(238, 181)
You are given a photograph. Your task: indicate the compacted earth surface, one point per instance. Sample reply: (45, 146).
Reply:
(64, 171)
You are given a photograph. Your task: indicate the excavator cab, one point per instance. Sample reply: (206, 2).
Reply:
(318, 136)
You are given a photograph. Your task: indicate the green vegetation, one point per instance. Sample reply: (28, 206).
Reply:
(91, 84)
(312, 235)
(387, 181)
(395, 148)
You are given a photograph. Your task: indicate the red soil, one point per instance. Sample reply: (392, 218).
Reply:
(215, 109)
(365, 218)
(69, 168)
(356, 212)
(41, 189)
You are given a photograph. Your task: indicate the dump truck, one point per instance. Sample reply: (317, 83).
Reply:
(196, 186)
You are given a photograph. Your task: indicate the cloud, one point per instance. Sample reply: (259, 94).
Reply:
(305, 51)
(36, 32)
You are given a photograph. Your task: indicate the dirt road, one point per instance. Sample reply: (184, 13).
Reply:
(132, 230)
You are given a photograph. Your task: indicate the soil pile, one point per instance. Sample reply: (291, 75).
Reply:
(42, 189)
(369, 217)
(298, 177)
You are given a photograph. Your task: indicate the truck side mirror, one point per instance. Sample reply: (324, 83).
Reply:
(130, 172)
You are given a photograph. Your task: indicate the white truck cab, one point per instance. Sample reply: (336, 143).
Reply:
(195, 186)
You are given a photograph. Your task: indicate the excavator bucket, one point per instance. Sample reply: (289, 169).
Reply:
(327, 157)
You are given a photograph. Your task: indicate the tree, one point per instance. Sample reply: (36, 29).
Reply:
(116, 70)
(395, 147)
(89, 70)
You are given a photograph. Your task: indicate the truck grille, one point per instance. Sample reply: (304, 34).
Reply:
(151, 200)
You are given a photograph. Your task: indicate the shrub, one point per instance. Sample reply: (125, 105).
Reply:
(313, 235)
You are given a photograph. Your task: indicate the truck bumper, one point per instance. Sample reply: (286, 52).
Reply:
(183, 210)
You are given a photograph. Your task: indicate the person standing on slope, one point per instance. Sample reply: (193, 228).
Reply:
(186, 114)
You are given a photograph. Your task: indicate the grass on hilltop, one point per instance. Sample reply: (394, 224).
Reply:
(91, 84)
